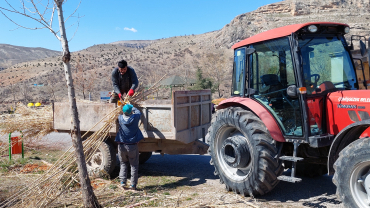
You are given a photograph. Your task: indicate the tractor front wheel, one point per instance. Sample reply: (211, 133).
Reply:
(352, 174)
(243, 153)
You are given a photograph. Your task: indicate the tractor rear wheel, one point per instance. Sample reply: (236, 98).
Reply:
(352, 174)
(243, 152)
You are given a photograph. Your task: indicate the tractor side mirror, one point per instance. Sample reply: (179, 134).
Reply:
(292, 91)
(249, 51)
(362, 48)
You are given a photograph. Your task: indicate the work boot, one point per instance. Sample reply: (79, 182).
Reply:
(123, 184)
(132, 187)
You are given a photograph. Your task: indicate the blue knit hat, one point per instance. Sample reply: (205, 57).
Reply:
(127, 109)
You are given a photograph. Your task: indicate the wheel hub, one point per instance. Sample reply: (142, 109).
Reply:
(235, 152)
(367, 187)
(360, 184)
(365, 182)
(95, 161)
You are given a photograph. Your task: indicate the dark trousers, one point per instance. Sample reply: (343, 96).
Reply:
(128, 155)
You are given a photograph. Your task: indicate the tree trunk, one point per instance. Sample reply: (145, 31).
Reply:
(88, 196)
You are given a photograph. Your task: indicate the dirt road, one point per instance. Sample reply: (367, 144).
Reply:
(197, 173)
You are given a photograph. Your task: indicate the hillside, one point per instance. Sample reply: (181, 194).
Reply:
(11, 55)
(180, 55)
(134, 43)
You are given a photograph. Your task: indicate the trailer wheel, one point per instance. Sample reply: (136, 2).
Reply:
(243, 152)
(144, 156)
(352, 174)
(103, 161)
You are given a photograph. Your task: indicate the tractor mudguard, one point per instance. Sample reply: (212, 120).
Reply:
(260, 111)
(349, 134)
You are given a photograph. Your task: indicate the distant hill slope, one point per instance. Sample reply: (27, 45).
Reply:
(10, 54)
(134, 43)
(180, 55)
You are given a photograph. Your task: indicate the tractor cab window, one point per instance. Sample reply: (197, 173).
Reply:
(238, 75)
(326, 65)
(271, 72)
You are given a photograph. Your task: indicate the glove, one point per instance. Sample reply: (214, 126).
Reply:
(120, 95)
(131, 92)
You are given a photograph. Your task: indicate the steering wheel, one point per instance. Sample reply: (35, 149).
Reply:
(317, 78)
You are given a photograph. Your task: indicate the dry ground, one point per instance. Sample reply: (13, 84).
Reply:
(167, 181)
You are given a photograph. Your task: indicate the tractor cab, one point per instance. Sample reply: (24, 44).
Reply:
(290, 70)
(298, 102)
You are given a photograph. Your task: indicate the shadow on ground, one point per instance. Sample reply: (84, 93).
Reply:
(314, 192)
(311, 192)
(194, 168)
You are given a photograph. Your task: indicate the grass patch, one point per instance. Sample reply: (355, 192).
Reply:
(153, 190)
(166, 193)
(6, 164)
(114, 187)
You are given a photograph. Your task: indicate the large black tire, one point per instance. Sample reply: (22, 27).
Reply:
(144, 156)
(352, 166)
(103, 161)
(243, 152)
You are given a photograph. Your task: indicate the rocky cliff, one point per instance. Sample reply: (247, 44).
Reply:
(356, 13)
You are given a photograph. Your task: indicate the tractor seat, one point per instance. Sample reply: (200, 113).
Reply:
(325, 86)
(272, 80)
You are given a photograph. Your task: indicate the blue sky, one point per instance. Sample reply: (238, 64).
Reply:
(114, 20)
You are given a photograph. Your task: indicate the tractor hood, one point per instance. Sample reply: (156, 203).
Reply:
(345, 108)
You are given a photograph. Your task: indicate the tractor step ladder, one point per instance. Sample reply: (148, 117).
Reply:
(293, 159)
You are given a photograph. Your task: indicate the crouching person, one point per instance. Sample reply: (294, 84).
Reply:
(127, 138)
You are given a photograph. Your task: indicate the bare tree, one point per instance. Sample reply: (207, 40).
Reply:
(215, 65)
(50, 87)
(43, 13)
(85, 81)
(24, 89)
(13, 91)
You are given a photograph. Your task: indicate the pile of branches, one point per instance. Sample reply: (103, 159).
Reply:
(32, 122)
(63, 175)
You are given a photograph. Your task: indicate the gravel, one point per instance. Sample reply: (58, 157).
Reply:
(311, 192)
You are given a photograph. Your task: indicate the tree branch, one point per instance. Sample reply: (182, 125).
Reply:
(17, 23)
(73, 12)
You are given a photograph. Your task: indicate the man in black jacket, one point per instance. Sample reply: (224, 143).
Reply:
(124, 81)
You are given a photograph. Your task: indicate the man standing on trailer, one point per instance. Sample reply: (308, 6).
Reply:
(124, 81)
(127, 138)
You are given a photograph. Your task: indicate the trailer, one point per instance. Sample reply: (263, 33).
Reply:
(176, 126)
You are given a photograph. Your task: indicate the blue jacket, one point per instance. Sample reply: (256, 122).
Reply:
(128, 131)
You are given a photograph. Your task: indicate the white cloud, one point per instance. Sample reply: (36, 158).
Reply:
(130, 29)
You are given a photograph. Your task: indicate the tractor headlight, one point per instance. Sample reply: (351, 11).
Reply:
(346, 30)
(312, 28)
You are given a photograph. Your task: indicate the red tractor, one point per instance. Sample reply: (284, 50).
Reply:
(296, 103)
